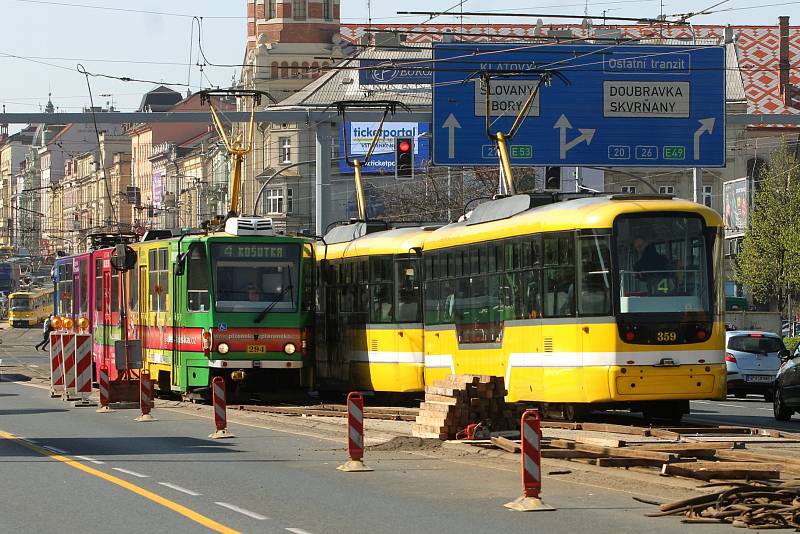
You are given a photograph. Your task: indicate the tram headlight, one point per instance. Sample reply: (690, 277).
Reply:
(223, 348)
(289, 348)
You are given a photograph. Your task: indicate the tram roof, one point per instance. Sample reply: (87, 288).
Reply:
(582, 213)
(394, 241)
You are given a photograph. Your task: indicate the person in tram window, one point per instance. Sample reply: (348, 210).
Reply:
(652, 267)
(252, 293)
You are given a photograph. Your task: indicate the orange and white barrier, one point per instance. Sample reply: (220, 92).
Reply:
(145, 397)
(83, 369)
(68, 361)
(355, 434)
(531, 430)
(104, 390)
(220, 409)
(56, 367)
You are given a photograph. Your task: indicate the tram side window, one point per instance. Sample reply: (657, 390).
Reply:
(381, 310)
(559, 276)
(197, 282)
(407, 287)
(309, 294)
(83, 286)
(65, 289)
(132, 279)
(158, 278)
(98, 284)
(114, 290)
(594, 292)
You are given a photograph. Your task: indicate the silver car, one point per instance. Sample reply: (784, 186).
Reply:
(753, 359)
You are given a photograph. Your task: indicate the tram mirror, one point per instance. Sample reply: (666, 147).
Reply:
(123, 258)
(180, 264)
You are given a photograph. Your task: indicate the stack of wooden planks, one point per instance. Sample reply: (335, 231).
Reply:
(459, 400)
(694, 454)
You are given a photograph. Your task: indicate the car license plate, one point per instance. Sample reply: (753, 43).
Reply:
(759, 378)
(256, 349)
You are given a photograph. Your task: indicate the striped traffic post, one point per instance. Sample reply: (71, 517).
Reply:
(104, 390)
(531, 430)
(145, 397)
(56, 367)
(68, 364)
(220, 412)
(83, 369)
(355, 434)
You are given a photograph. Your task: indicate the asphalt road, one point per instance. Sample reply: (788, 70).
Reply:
(108, 471)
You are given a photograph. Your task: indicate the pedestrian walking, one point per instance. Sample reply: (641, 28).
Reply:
(46, 329)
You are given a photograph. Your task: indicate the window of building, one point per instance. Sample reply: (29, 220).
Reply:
(273, 202)
(666, 189)
(299, 9)
(628, 189)
(707, 195)
(272, 11)
(327, 9)
(289, 200)
(285, 147)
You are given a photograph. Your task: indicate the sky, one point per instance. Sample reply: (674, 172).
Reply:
(43, 41)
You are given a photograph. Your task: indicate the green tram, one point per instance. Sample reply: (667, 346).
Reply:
(237, 304)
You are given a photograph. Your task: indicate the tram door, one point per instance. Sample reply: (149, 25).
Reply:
(144, 306)
(107, 322)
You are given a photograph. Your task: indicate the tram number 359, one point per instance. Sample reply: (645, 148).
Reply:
(666, 336)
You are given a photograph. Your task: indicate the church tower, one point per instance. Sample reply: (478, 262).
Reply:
(285, 41)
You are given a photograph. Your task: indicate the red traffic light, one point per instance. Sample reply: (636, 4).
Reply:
(404, 146)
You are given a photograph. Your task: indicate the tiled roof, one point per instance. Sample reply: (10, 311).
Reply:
(757, 47)
(343, 83)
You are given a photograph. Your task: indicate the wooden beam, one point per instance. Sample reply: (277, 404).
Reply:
(567, 454)
(617, 429)
(627, 462)
(789, 464)
(506, 444)
(561, 424)
(723, 470)
(614, 452)
(602, 442)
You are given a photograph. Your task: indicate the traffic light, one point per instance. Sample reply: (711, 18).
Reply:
(552, 179)
(404, 157)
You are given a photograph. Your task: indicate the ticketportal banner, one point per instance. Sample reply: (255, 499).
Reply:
(360, 135)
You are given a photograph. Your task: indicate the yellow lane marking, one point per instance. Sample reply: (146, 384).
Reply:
(158, 499)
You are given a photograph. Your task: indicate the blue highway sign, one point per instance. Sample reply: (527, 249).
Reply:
(620, 105)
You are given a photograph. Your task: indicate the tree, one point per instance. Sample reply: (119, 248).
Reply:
(769, 261)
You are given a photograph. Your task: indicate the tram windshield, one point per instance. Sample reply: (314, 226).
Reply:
(248, 277)
(662, 264)
(21, 304)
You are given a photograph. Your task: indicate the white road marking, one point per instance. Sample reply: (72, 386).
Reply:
(242, 511)
(179, 488)
(90, 459)
(33, 365)
(132, 473)
(730, 405)
(55, 450)
(298, 531)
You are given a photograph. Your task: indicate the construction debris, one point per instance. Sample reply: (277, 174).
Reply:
(753, 506)
(454, 403)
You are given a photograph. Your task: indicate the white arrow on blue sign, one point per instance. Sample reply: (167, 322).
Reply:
(620, 105)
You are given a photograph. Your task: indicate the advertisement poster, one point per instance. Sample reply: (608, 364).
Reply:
(360, 135)
(736, 203)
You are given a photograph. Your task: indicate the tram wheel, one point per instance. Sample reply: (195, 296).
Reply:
(663, 412)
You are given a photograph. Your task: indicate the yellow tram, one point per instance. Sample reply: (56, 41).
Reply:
(369, 331)
(596, 302)
(30, 307)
